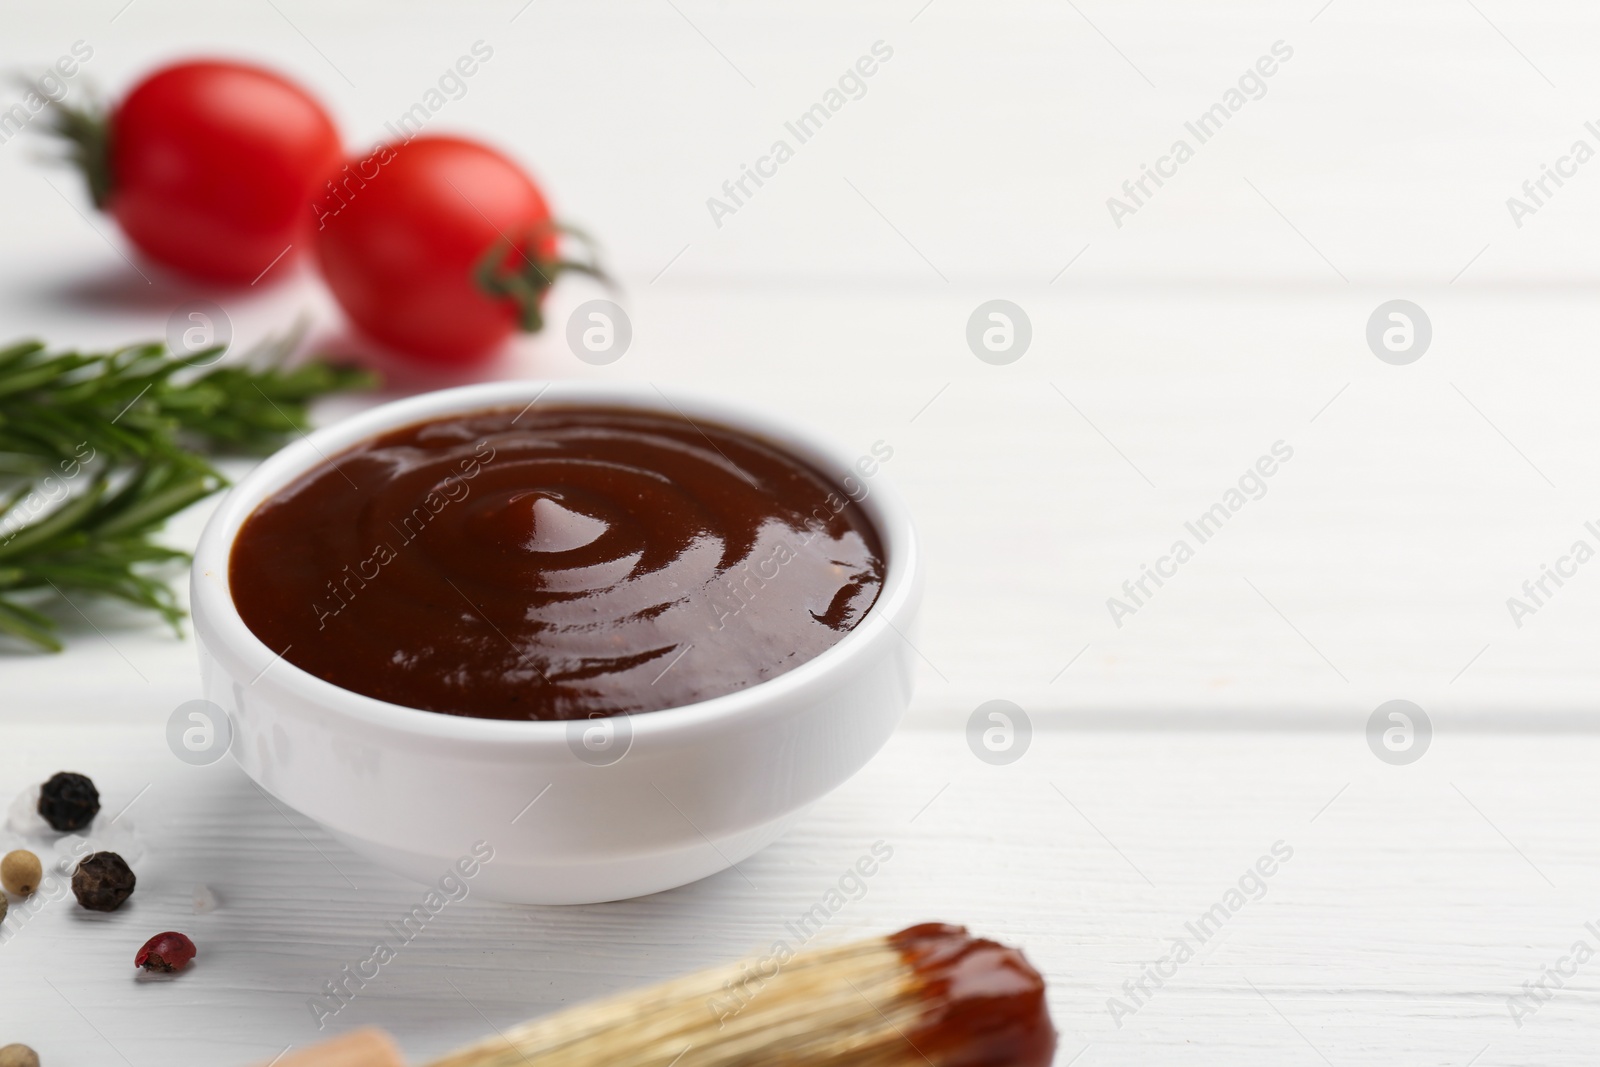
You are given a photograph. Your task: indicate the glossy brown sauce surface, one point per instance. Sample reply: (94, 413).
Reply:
(984, 1002)
(555, 563)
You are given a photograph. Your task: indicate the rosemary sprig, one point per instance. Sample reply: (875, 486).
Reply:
(103, 448)
(141, 403)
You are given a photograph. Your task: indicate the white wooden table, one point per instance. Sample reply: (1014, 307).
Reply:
(1417, 901)
(1228, 313)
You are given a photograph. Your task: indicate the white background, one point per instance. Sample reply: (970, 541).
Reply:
(1227, 314)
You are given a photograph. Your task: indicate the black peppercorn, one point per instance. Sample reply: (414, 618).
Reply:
(102, 881)
(69, 801)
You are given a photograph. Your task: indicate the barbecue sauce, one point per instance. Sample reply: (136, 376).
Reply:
(556, 563)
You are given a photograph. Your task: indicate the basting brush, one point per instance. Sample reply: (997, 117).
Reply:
(929, 995)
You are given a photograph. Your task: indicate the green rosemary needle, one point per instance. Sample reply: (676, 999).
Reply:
(101, 449)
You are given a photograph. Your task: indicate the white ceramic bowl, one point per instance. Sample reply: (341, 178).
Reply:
(696, 788)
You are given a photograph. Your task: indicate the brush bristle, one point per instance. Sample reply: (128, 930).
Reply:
(929, 995)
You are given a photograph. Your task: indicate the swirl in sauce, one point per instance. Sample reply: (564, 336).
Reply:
(555, 564)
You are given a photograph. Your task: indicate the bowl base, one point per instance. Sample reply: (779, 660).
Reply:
(509, 880)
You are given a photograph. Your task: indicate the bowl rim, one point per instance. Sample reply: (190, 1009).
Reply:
(220, 627)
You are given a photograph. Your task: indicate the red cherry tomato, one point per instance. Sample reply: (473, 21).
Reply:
(438, 247)
(212, 168)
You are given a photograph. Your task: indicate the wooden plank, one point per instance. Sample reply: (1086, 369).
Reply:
(1416, 901)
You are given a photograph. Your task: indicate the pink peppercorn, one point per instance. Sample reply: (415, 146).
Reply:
(166, 952)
